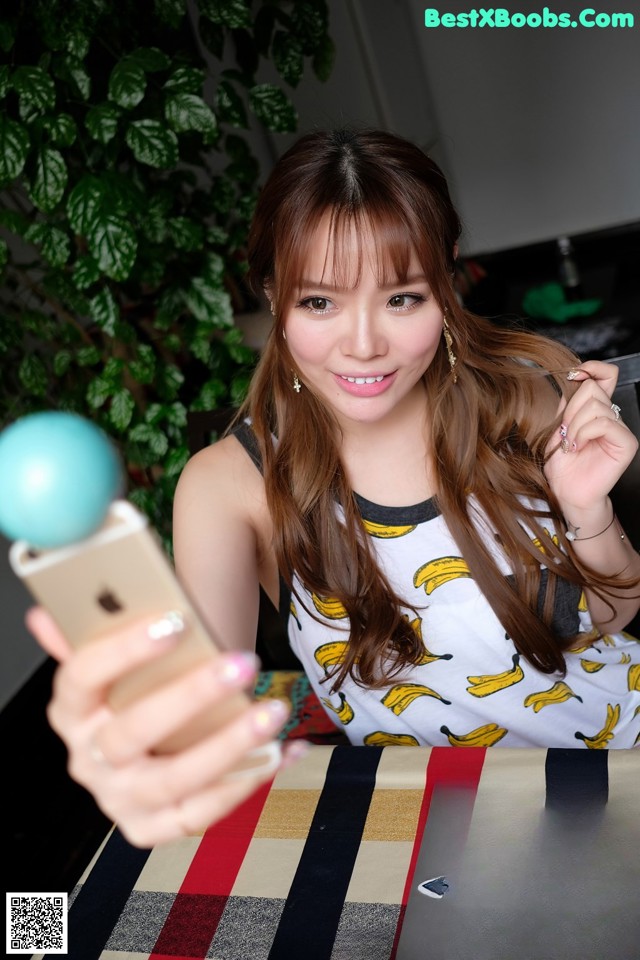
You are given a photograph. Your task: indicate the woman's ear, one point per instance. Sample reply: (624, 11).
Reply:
(268, 292)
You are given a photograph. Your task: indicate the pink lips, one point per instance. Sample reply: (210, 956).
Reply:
(365, 389)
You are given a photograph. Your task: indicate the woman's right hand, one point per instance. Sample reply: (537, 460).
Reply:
(154, 798)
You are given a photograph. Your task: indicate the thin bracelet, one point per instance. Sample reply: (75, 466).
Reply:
(572, 536)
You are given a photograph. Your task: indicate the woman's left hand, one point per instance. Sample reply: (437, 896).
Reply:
(594, 446)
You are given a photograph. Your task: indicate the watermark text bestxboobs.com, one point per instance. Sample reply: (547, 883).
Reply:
(501, 17)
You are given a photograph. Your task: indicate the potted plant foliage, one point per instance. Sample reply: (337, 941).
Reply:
(127, 189)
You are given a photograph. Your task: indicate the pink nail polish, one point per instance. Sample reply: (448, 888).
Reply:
(239, 668)
(270, 715)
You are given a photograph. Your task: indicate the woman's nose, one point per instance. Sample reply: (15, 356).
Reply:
(364, 337)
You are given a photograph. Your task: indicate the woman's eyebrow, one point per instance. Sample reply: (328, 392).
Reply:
(318, 285)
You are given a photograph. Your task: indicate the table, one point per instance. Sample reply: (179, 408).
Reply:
(323, 864)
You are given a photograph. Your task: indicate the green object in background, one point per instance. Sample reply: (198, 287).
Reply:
(548, 302)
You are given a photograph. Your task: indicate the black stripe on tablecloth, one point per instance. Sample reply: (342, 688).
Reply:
(576, 779)
(102, 897)
(311, 914)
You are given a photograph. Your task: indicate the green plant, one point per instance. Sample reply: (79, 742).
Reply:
(127, 190)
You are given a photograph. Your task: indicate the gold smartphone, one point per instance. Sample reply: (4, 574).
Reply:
(115, 576)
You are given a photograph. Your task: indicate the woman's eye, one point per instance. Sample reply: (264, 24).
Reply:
(402, 301)
(316, 304)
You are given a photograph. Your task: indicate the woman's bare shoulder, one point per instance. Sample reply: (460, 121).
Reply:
(225, 472)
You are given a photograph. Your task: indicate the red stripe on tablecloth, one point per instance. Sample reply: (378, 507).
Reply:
(453, 767)
(207, 885)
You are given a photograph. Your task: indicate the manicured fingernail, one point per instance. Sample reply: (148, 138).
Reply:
(168, 627)
(239, 668)
(563, 430)
(564, 445)
(294, 751)
(270, 715)
(573, 374)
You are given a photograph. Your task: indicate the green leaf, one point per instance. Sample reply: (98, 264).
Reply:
(287, 56)
(85, 272)
(229, 13)
(229, 105)
(4, 253)
(143, 368)
(214, 270)
(239, 387)
(324, 58)
(7, 35)
(53, 242)
(14, 146)
(127, 84)
(169, 381)
(61, 128)
(77, 44)
(121, 409)
(113, 370)
(308, 22)
(85, 202)
(200, 348)
(14, 220)
(152, 143)
(88, 356)
(61, 362)
(171, 12)
(98, 391)
(210, 394)
(113, 244)
(176, 461)
(36, 91)
(186, 234)
(273, 108)
(150, 59)
(223, 194)
(72, 70)
(186, 111)
(216, 236)
(152, 436)
(50, 180)
(170, 306)
(102, 121)
(208, 303)
(185, 80)
(4, 80)
(33, 375)
(104, 310)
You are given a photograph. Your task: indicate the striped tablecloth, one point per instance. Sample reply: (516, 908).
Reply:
(320, 863)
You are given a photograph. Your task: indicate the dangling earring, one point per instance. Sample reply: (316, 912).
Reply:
(448, 339)
(273, 309)
(296, 383)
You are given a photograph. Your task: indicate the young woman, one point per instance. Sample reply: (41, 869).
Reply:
(428, 488)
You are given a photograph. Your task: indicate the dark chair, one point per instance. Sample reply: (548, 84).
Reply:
(626, 493)
(272, 641)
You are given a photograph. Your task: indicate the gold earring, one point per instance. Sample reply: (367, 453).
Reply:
(448, 339)
(296, 383)
(273, 309)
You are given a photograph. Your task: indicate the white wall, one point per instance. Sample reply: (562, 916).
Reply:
(538, 130)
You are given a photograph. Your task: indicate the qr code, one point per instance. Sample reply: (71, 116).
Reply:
(36, 922)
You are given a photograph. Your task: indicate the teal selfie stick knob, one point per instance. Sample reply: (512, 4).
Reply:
(58, 475)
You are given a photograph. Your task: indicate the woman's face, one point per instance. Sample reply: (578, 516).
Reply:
(363, 349)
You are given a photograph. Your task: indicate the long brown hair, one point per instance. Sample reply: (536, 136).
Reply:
(486, 437)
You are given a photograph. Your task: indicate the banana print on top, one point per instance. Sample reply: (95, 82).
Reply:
(472, 687)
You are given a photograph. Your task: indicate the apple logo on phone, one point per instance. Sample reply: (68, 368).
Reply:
(109, 602)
